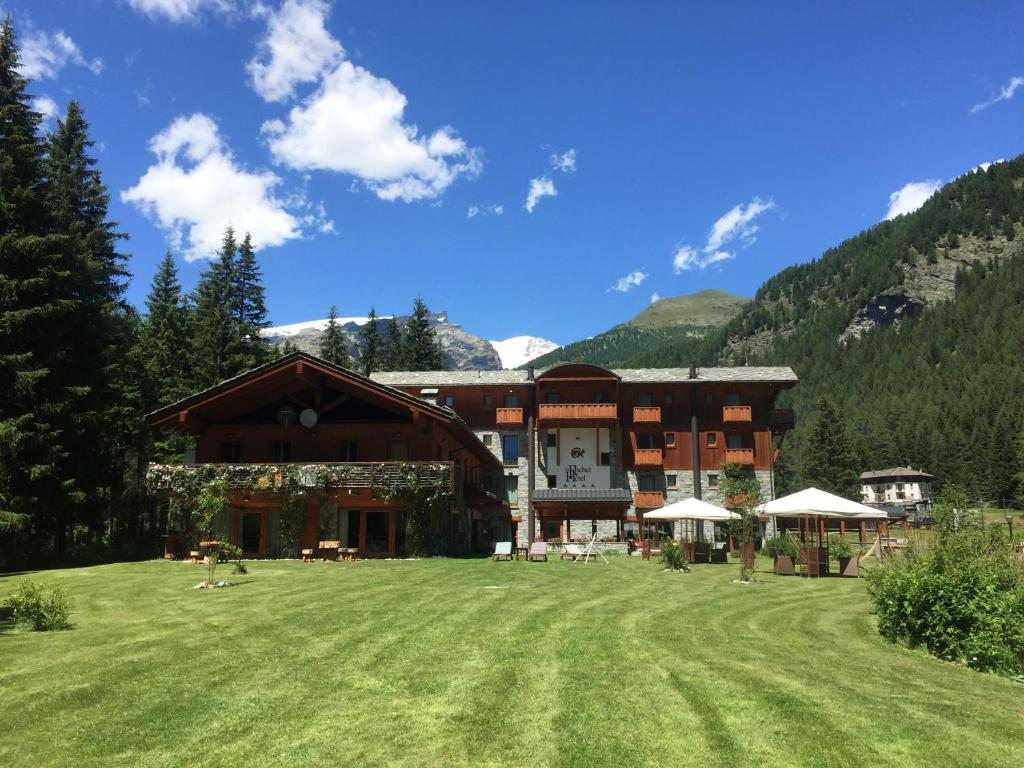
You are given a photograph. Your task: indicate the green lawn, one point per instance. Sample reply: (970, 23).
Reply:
(477, 663)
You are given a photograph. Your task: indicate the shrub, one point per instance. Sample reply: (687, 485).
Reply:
(40, 608)
(963, 600)
(782, 545)
(672, 556)
(839, 547)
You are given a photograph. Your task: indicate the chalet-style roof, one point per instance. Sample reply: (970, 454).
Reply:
(161, 416)
(583, 494)
(737, 374)
(905, 472)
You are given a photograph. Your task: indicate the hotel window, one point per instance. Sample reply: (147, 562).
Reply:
(552, 398)
(712, 439)
(709, 399)
(510, 449)
(713, 482)
(231, 450)
(670, 481)
(645, 440)
(512, 490)
(488, 401)
(600, 397)
(668, 398)
(552, 481)
(606, 458)
(349, 450)
(733, 398)
(511, 401)
(734, 442)
(449, 400)
(645, 483)
(670, 439)
(280, 451)
(488, 439)
(645, 400)
(552, 439)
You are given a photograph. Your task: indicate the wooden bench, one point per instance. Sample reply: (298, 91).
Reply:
(348, 554)
(307, 555)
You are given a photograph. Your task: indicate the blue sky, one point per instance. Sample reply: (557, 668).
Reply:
(689, 146)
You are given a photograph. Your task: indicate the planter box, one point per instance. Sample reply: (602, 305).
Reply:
(848, 567)
(784, 565)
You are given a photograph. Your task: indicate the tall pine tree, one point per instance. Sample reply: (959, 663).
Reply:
(333, 345)
(393, 357)
(829, 462)
(422, 350)
(369, 344)
(249, 308)
(216, 345)
(164, 341)
(39, 284)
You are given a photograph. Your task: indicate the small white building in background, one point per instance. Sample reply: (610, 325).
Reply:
(897, 486)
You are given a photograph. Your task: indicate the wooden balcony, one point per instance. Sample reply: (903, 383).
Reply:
(744, 456)
(736, 415)
(647, 457)
(271, 478)
(646, 414)
(781, 419)
(509, 417)
(578, 412)
(648, 499)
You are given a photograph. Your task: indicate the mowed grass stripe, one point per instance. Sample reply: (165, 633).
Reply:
(469, 662)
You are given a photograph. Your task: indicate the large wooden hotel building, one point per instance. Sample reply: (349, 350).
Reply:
(573, 450)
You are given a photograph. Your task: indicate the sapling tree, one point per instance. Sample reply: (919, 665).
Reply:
(742, 493)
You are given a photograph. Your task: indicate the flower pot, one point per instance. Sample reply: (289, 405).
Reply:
(848, 567)
(784, 565)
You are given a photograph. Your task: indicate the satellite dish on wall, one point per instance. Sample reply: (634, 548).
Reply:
(308, 418)
(286, 416)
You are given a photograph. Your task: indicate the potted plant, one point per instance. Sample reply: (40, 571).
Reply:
(785, 553)
(843, 552)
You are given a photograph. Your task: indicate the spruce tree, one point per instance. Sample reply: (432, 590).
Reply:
(423, 352)
(369, 345)
(39, 281)
(216, 343)
(393, 357)
(164, 339)
(333, 346)
(248, 307)
(829, 460)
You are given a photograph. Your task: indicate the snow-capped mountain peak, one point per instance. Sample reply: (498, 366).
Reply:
(522, 349)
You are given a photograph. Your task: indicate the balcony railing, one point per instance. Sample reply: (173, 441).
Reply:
(647, 457)
(736, 414)
(273, 478)
(509, 417)
(646, 414)
(781, 419)
(648, 499)
(744, 456)
(578, 412)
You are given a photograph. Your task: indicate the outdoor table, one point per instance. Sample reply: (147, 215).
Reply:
(326, 548)
(522, 552)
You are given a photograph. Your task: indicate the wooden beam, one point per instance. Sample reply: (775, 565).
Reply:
(334, 403)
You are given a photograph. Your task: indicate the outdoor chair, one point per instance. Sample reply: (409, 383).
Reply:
(571, 550)
(538, 551)
(307, 555)
(502, 549)
(719, 554)
(194, 556)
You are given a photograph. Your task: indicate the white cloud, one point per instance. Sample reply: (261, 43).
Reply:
(297, 49)
(1005, 93)
(46, 107)
(655, 297)
(179, 10)
(480, 210)
(196, 188)
(353, 124)
(685, 257)
(473, 211)
(497, 210)
(565, 162)
(630, 281)
(45, 55)
(912, 196)
(542, 187)
(737, 224)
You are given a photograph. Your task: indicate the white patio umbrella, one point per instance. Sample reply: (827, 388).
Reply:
(691, 509)
(813, 502)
